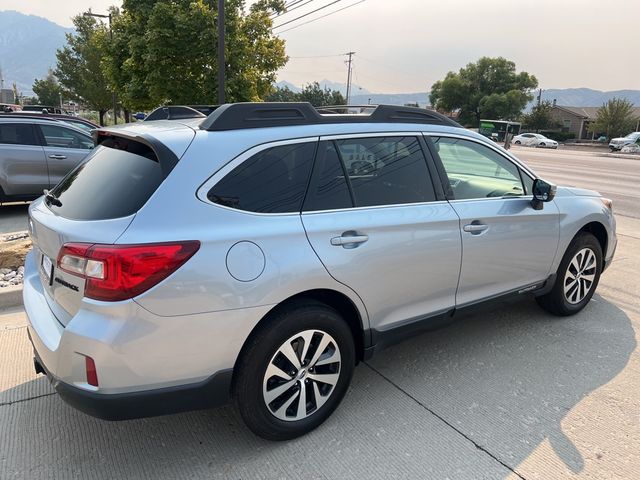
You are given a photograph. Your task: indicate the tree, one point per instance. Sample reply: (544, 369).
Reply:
(283, 94)
(48, 90)
(80, 64)
(164, 52)
(614, 119)
(319, 97)
(489, 88)
(16, 93)
(312, 93)
(540, 117)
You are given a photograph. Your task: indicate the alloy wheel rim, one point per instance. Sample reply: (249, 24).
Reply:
(580, 276)
(301, 375)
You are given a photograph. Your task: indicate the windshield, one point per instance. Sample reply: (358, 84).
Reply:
(633, 136)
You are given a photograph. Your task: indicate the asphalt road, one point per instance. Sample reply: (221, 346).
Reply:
(615, 178)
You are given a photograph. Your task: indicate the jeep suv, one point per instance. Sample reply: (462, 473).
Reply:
(260, 253)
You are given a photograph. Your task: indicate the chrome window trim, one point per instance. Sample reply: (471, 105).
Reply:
(203, 190)
(347, 136)
(371, 207)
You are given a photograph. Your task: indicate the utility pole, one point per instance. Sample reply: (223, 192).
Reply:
(349, 66)
(221, 60)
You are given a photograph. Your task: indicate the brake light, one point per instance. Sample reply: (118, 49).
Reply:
(120, 272)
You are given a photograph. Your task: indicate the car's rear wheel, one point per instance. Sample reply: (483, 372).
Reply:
(294, 371)
(577, 277)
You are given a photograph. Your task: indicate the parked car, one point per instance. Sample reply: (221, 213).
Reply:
(36, 153)
(618, 143)
(260, 253)
(43, 109)
(78, 122)
(534, 140)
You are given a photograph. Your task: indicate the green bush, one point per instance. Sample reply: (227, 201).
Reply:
(559, 136)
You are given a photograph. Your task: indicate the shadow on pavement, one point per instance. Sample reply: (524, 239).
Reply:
(504, 379)
(507, 379)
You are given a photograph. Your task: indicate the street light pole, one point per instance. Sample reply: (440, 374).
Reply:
(221, 59)
(113, 94)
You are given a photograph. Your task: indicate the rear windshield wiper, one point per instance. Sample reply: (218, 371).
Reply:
(51, 198)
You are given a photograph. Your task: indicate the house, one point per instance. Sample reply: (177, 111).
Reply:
(576, 120)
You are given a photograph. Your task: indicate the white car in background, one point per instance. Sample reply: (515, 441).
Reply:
(618, 143)
(534, 140)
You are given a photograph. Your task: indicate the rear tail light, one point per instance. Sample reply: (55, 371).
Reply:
(120, 272)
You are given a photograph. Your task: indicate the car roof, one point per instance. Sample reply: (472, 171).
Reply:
(31, 119)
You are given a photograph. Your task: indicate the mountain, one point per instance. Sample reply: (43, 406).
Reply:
(586, 97)
(421, 98)
(28, 47)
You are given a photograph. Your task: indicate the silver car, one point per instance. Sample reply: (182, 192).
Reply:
(35, 154)
(260, 253)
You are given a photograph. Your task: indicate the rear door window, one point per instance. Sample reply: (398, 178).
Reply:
(272, 181)
(110, 183)
(61, 137)
(17, 134)
(386, 170)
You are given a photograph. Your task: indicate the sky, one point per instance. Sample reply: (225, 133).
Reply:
(407, 45)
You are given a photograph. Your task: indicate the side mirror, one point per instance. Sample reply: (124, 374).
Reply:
(542, 192)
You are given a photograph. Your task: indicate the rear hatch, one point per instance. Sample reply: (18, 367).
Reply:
(94, 204)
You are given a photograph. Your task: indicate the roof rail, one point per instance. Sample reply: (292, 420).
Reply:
(238, 116)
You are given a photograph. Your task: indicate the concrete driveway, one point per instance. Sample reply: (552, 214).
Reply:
(509, 393)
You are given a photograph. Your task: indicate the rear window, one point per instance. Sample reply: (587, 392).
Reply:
(115, 181)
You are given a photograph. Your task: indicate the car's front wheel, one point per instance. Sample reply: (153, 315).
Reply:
(577, 277)
(518, 142)
(294, 371)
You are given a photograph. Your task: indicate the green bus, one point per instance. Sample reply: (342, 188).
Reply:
(496, 130)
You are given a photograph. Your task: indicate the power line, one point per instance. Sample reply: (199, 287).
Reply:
(289, 9)
(307, 14)
(320, 17)
(320, 56)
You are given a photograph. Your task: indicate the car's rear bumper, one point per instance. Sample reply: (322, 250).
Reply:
(212, 392)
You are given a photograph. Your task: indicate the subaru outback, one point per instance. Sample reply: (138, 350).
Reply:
(258, 254)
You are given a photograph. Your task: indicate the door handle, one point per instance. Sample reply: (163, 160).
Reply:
(58, 157)
(349, 241)
(475, 228)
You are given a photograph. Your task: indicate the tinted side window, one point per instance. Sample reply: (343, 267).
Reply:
(476, 171)
(386, 170)
(17, 134)
(329, 190)
(55, 136)
(272, 181)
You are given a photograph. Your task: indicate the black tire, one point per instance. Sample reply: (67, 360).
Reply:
(517, 142)
(556, 301)
(258, 354)
(542, 145)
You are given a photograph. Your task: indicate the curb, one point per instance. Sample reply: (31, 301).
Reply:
(10, 297)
